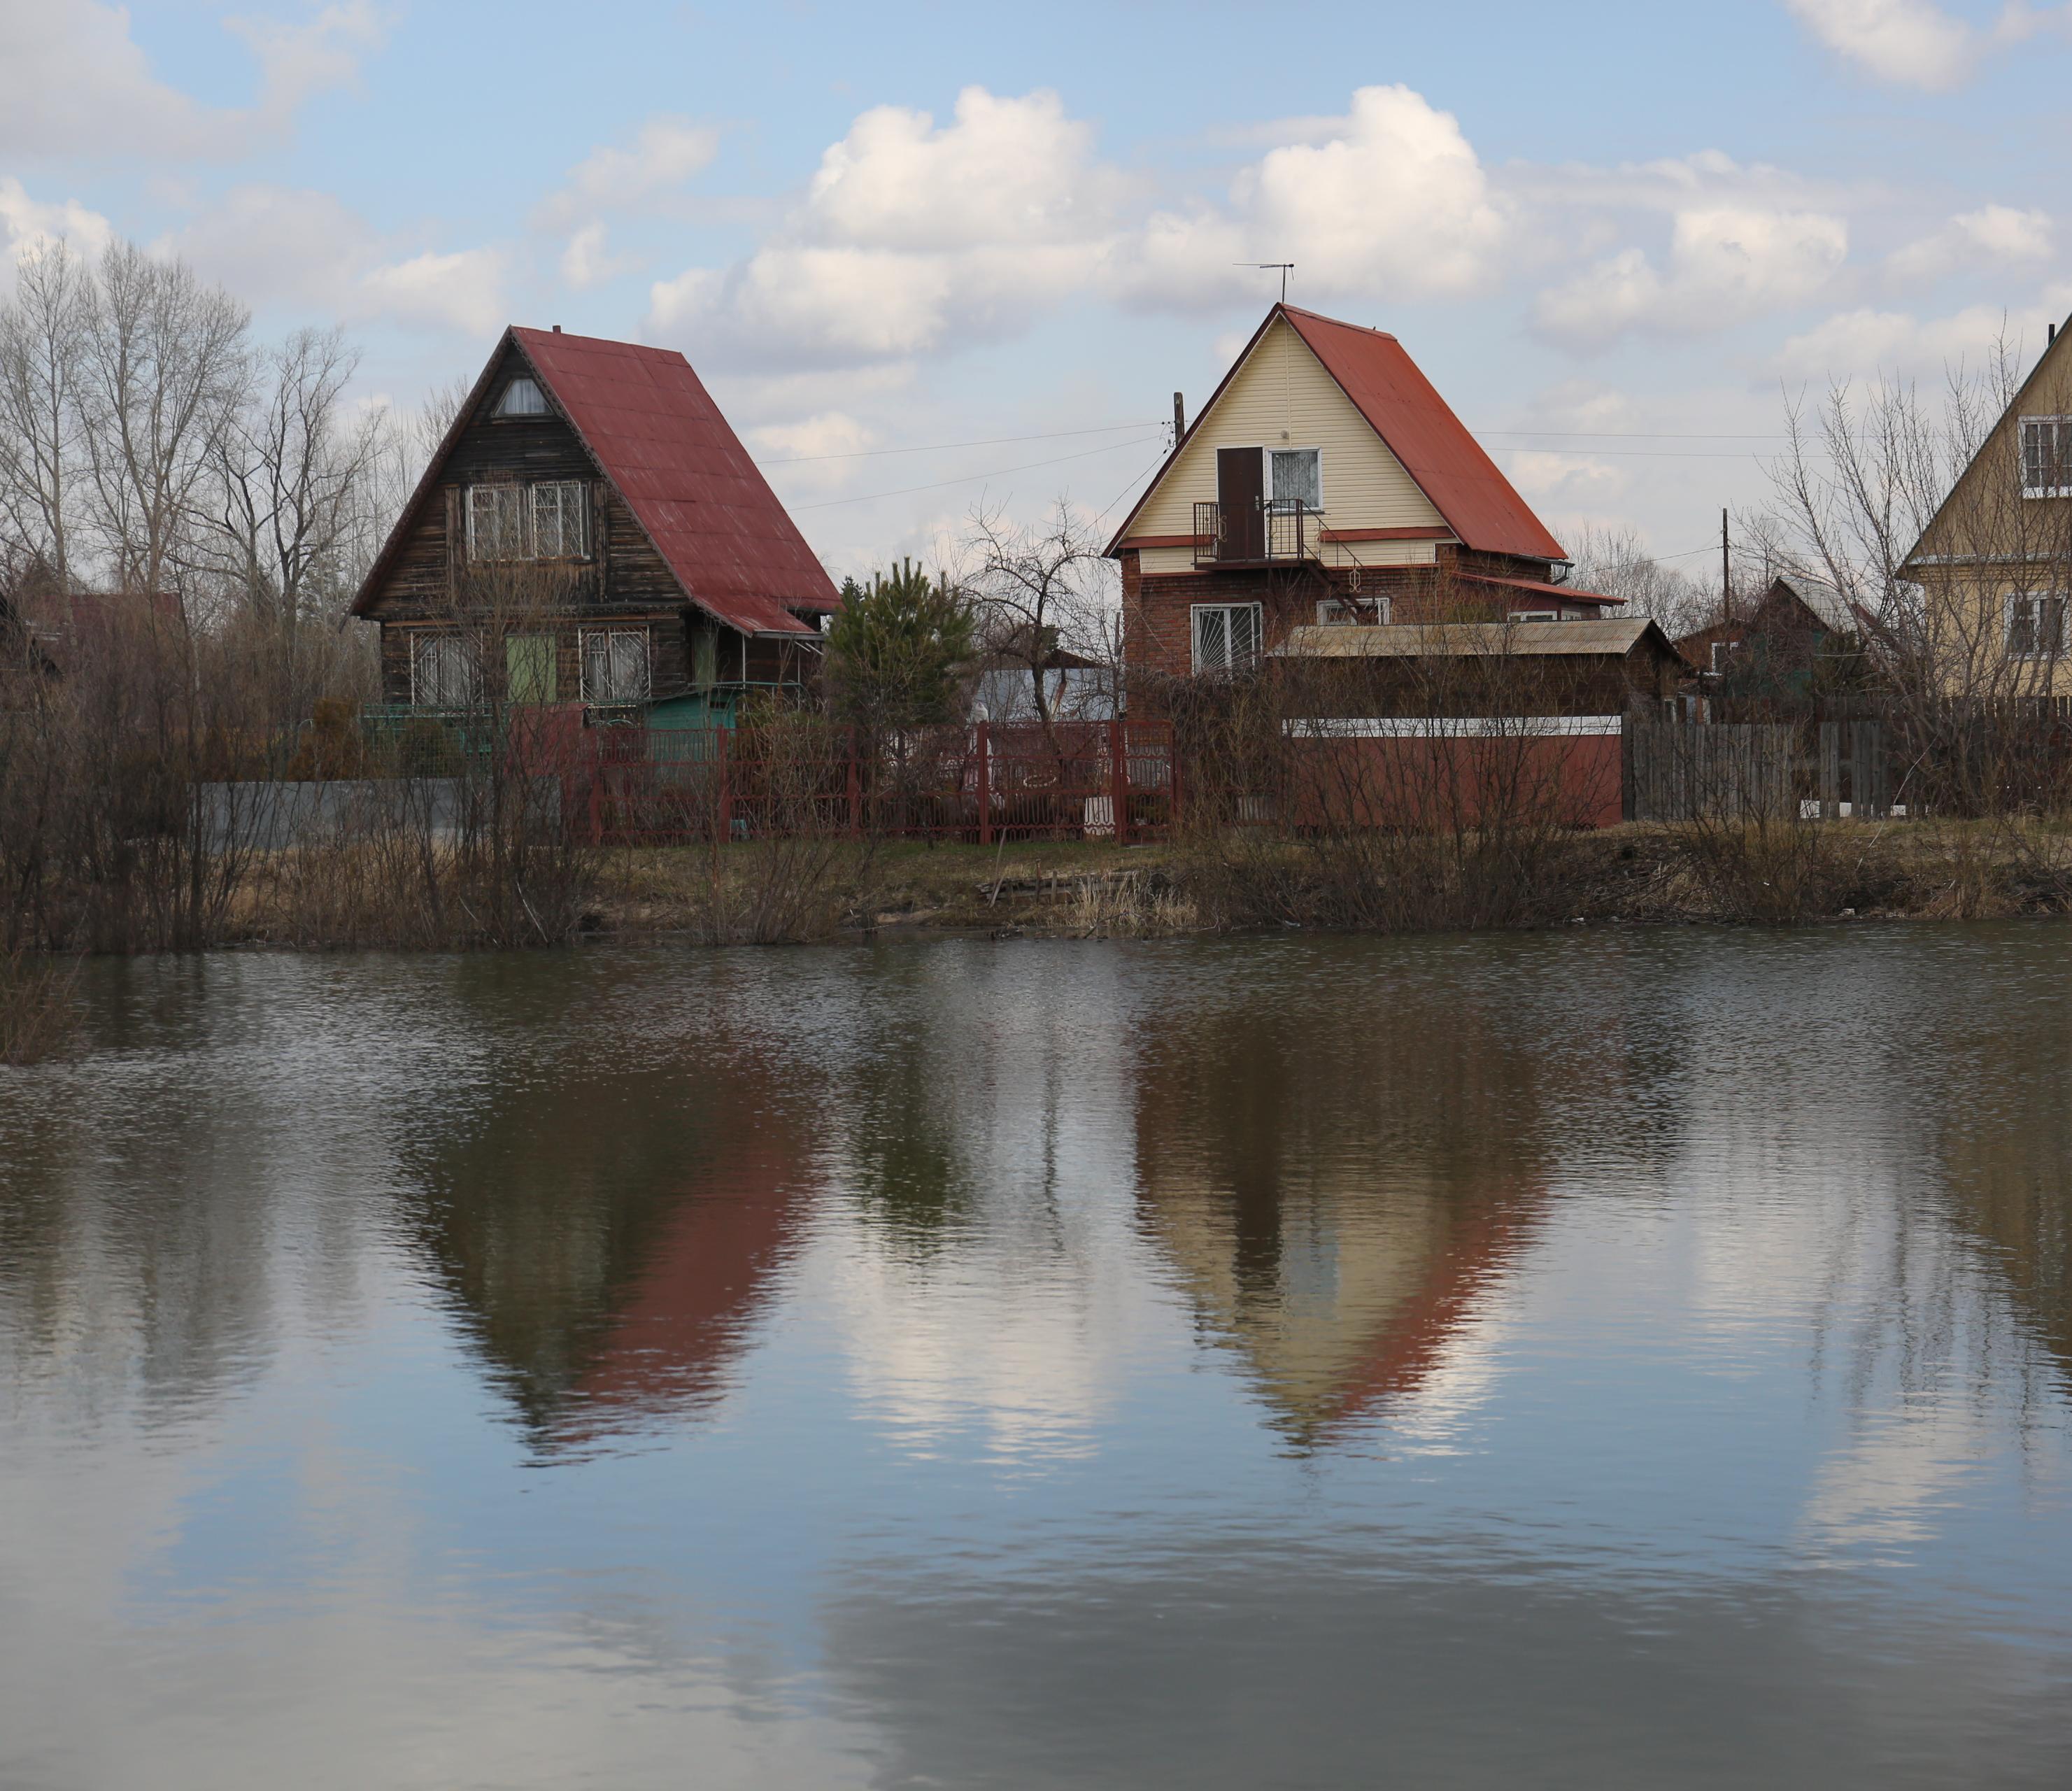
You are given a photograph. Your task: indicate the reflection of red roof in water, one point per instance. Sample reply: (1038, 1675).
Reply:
(687, 1314)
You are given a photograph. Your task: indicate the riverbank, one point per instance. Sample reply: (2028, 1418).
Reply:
(1634, 875)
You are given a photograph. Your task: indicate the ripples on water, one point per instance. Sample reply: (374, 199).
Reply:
(1556, 1361)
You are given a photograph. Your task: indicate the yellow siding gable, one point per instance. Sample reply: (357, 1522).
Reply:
(1281, 397)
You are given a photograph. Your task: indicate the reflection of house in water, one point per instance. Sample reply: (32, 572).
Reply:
(611, 1244)
(1335, 1203)
(2008, 1168)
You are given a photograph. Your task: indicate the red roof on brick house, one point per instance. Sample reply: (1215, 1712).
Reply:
(655, 433)
(1405, 410)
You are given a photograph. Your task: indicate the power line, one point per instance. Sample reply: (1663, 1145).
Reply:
(1641, 435)
(938, 447)
(969, 479)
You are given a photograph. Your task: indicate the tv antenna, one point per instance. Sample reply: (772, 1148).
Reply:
(1286, 269)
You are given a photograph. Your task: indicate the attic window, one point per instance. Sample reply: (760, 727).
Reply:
(522, 397)
(1298, 477)
(2046, 456)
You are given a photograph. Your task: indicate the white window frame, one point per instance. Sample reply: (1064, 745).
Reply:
(1195, 613)
(2010, 605)
(2061, 431)
(616, 699)
(1266, 473)
(506, 408)
(1721, 649)
(473, 501)
(570, 501)
(426, 641)
(1534, 615)
(570, 497)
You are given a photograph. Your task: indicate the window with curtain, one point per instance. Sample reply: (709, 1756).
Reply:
(561, 516)
(2046, 456)
(614, 665)
(1298, 477)
(522, 397)
(445, 672)
(2035, 625)
(547, 521)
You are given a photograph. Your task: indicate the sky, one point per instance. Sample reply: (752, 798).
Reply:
(930, 259)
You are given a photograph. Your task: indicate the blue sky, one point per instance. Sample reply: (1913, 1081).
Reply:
(1611, 235)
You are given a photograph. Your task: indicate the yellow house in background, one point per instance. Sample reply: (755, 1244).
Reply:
(1994, 565)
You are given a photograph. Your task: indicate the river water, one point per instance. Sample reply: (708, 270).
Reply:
(1577, 1360)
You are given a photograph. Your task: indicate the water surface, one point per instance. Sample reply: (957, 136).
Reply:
(1567, 1361)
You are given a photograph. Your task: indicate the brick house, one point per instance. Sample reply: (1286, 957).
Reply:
(1325, 482)
(661, 578)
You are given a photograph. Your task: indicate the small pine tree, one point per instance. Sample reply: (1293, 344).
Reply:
(895, 650)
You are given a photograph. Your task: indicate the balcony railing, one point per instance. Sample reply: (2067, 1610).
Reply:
(1283, 533)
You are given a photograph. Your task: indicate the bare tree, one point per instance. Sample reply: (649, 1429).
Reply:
(279, 506)
(41, 438)
(1617, 562)
(164, 372)
(1039, 588)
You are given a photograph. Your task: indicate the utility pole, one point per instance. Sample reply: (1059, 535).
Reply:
(1726, 571)
(1179, 419)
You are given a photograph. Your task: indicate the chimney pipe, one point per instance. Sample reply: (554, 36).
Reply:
(1179, 419)
(2050, 333)
(557, 329)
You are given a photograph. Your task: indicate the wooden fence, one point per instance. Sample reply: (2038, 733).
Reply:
(1756, 771)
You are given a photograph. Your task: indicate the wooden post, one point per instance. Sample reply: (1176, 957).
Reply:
(1118, 778)
(725, 786)
(855, 789)
(984, 784)
(1830, 771)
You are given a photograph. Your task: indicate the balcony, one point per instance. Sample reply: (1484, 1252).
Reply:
(1282, 533)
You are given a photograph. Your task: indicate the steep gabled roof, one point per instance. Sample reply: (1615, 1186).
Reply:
(2055, 345)
(655, 435)
(1416, 426)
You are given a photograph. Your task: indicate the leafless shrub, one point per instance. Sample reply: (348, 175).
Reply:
(1416, 793)
(38, 1011)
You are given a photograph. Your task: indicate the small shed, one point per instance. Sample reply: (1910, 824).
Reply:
(1421, 724)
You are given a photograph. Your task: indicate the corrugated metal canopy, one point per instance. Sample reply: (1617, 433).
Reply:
(659, 437)
(1470, 640)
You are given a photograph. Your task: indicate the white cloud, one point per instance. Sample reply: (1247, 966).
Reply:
(462, 290)
(278, 245)
(1915, 43)
(27, 224)
(910, 238)
(665, 153)
(72, 81)
(297, 61)
(1726, 264)
(1994, 236)
(586, 260)
(1869, 344)
(1389, 202)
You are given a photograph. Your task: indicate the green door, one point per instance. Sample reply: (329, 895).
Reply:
(529, 667)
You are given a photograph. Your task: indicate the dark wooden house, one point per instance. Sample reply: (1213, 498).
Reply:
(1772, 649)
(590, 531)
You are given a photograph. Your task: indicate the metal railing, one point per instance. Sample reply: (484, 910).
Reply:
(1282, 533)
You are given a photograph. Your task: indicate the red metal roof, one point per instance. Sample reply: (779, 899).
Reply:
(1420, 430)
(655, 433)
(659, 437)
